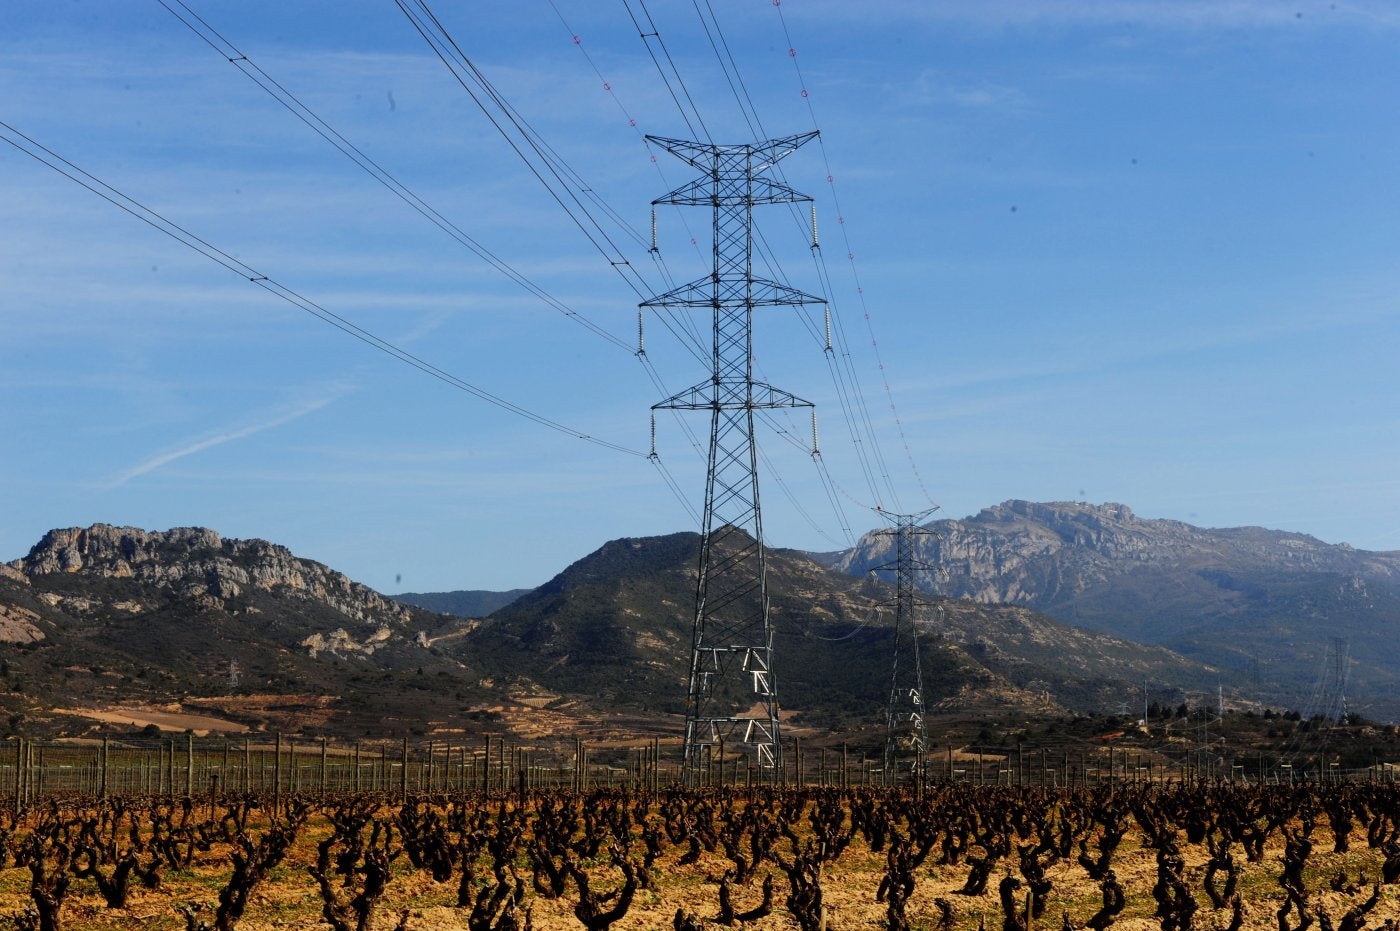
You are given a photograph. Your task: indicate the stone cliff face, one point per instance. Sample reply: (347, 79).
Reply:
(100, 618)
(1021, 552)
(200, 565)
(1266, 605)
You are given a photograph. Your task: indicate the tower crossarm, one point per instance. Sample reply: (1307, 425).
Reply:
(761, 155)
(700, 193)
(738, 395)
(754, 292)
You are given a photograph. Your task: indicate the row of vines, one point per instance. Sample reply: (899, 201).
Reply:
(1178, 857)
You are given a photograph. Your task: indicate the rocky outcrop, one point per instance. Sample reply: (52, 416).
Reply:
(1044, 554)
(340, 643)
(19, 625)
(1267, 606)
(202, 567)
(104, 617)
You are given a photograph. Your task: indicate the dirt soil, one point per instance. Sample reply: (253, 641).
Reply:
(289, 898)
(165, 717)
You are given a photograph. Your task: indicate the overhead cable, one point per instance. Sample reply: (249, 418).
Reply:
(544, 164)
(72, 172)
(850, 254)
(297, 108)
(855, 409)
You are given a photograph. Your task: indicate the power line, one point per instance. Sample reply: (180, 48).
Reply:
(792, 497)
(562, 182)
(156, 221)
(733, 68)
(549, 166)
(658, 259)
(730, 69)
(656, 34)
(297, 108)
(438, 38)
(607, 85)
(546, 164)
(850, 253)
(225, 48)
(856, 411)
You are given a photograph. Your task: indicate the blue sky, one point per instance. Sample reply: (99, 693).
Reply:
(1141, 252)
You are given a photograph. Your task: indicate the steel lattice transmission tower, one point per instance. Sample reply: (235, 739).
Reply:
(733, 693)
(906, 739)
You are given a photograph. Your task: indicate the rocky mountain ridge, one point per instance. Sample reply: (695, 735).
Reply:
(1266, 605)
(1023, 552)
(202, 566)
(104, 617)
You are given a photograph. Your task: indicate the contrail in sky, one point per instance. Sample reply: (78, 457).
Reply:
(285, 416)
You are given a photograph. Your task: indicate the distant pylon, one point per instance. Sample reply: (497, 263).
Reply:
(906, 735)
(1328, 699)
(733, 692)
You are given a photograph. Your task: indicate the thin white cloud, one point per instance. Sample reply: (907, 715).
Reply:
(280, 417)
(931, 87)
(1181, 14)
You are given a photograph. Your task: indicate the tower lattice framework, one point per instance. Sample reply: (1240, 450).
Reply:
(906, 737)
(733, 693)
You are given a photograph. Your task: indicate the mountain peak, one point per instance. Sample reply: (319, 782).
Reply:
(108, 550)
(1072, 519)
(1016, 508)
(200, 565)
(1266, 603)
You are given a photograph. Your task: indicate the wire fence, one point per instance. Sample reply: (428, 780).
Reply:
(277, 765)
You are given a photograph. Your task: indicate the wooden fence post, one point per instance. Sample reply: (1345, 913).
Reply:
(277, 779)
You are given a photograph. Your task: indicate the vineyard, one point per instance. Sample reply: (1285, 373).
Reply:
(491, 841)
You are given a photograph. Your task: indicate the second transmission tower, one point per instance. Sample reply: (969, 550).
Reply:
(906, 737)
(733, 691)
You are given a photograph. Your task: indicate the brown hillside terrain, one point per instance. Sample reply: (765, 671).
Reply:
(122, 622)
